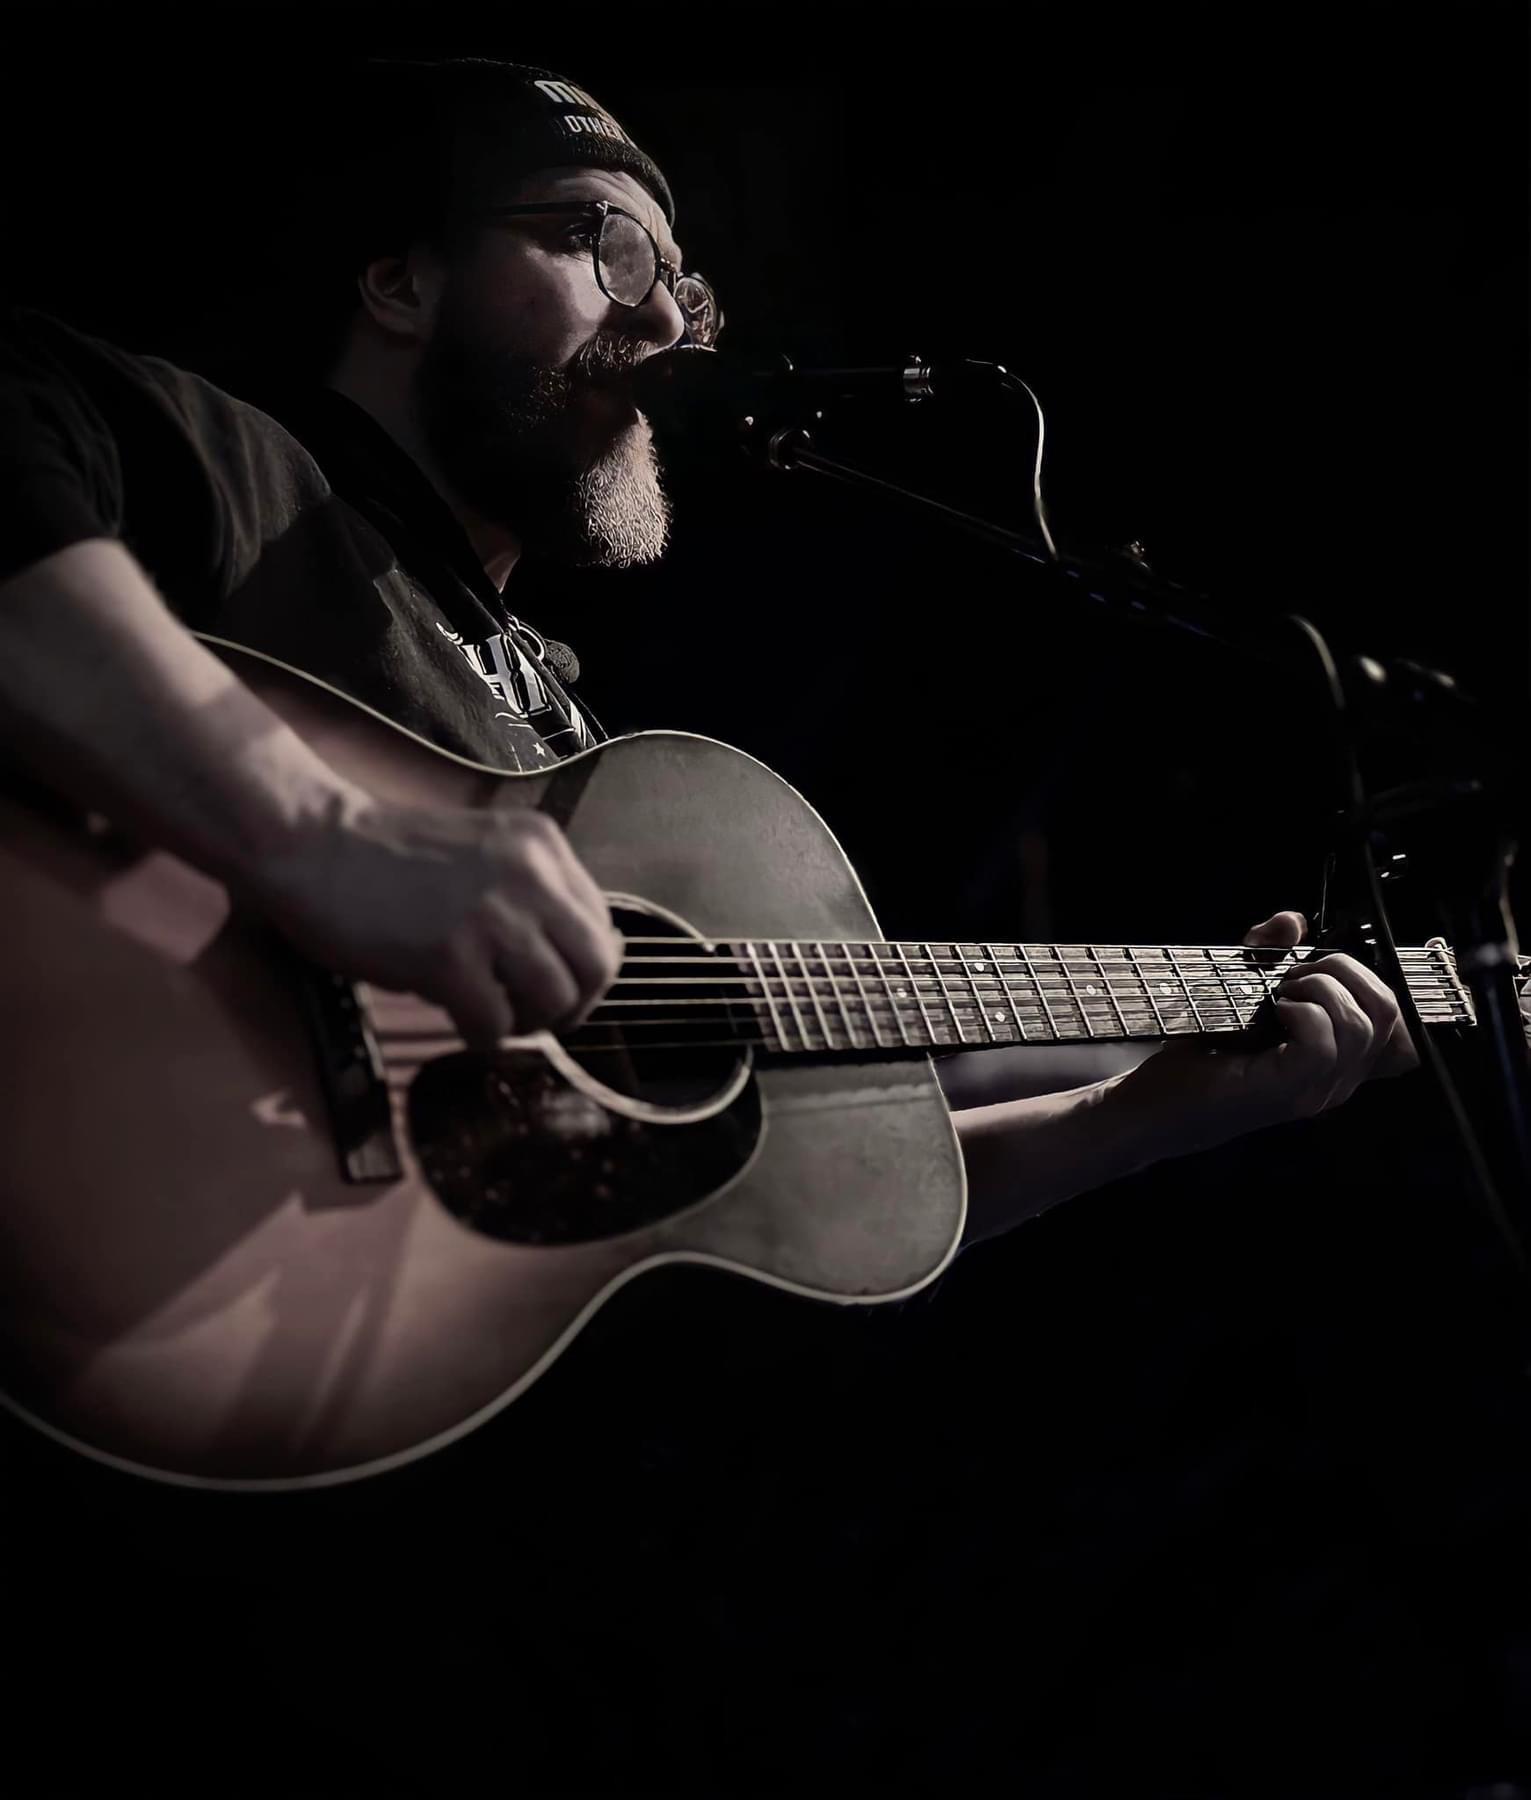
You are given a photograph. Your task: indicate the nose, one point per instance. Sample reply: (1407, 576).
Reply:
(659, 321)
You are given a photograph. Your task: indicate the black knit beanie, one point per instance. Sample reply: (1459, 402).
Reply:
(490, 122)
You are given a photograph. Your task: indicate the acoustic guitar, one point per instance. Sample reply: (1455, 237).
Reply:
(264, 1227)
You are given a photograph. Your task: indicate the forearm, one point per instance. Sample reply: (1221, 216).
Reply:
(107, 697)
(485, 911)
(1023, 1156)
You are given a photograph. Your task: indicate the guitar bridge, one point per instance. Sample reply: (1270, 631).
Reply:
(351, 1073)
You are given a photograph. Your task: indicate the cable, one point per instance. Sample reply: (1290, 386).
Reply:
(1038, 508)
(1387, 948)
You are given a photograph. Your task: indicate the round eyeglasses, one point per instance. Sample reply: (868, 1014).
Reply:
(628, 263)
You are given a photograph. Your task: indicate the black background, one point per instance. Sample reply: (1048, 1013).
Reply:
(1267, 273)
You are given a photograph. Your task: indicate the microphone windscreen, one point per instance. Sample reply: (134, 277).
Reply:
(689, 389)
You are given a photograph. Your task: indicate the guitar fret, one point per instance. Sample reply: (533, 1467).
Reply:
(978, 1005)
(813, 998)
(1222, 979)
(898, 1017)
(1119, 999)
(1148, 993)
(1069, 982)
(1009, 992)
(866, 998)
(1173, 958)
(1265, 980)
(946, 994)
(791, 998)
(765, 988)
(1047, 1011)
(1235, 1005)
(918, 999)
(845, 1017)
(1110, 993)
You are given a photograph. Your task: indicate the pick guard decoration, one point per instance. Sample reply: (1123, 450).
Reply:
(517, 1152)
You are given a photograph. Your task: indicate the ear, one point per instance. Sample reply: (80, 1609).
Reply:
(399, 294)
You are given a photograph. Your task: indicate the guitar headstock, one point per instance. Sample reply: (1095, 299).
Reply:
(1344, 919)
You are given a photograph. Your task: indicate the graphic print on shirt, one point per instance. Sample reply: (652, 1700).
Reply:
(538, 727)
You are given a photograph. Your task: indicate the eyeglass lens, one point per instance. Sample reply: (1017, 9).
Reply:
(628, 269)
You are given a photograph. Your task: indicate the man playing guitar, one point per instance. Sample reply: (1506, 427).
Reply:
(475, 409)
(511, 258)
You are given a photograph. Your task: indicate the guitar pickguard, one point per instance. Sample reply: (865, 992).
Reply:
(515, 1151)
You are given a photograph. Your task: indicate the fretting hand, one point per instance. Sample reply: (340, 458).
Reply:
(1340, 1026)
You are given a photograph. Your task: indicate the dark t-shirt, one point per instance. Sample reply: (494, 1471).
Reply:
(322, 545)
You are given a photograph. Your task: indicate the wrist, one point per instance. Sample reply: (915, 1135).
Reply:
(294, 835)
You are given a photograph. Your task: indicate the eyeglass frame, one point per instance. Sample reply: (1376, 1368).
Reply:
(664, 270)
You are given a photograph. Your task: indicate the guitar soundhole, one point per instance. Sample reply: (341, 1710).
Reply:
(515, 1149)
(668, 1032)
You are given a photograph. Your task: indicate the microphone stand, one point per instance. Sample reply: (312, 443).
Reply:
(1471, 887)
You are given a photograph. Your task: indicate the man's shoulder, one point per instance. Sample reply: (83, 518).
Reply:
(202, 482)
(48, 340)
(129, 383)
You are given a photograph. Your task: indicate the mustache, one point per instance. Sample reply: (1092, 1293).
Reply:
(608, 360)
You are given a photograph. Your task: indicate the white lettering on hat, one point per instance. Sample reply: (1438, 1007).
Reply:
(595, 125)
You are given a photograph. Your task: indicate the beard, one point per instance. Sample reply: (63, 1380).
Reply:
(542, 450)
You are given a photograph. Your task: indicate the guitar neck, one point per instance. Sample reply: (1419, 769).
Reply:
(845, 997)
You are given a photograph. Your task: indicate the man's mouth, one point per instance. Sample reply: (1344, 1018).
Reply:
(610, 399)
(615, 381)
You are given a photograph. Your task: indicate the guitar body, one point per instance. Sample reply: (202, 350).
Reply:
(190, 1285)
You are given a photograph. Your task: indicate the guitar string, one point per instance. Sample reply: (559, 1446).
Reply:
(945, 1035)
(781, 1046)
(1099, 1006)
(1099, 1003)
(1439, 1000)
(1441, 1008)
(990, 981)
(1300, 951)
(1439, 997)
(1437, 1012)
(1202, 962)
(651, 972)
(1144, 1026)
(1057, 983)
(1142, 1017)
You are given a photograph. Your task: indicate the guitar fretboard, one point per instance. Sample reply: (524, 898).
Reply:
(813, 996)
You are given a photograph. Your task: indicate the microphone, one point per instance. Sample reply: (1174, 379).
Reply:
(693, 388)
